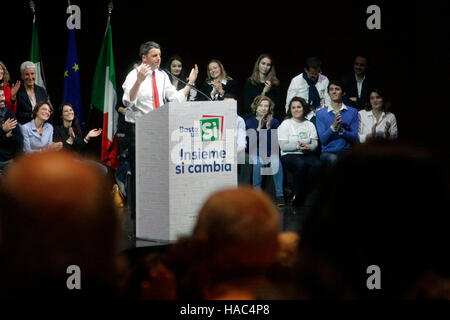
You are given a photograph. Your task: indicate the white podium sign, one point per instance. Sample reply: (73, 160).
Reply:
(184, 153)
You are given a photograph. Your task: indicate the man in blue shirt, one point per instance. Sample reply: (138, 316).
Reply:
(337, 125)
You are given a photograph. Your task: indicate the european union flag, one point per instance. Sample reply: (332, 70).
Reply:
(72, 89)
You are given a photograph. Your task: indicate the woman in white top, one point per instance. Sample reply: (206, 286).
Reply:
(376, 121)
(298, 140)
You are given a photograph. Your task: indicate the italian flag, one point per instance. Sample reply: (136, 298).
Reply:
(104, 99)
(35, 55)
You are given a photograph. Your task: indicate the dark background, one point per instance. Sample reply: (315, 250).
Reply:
(406, 55)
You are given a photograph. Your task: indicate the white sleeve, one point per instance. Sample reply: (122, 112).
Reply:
(297, 88)
(313, 136)
(327, 98)
(171, 93)
(283, 138)
(127, 85)
(241, 133)
(283, 131)
(361, 128)
(393, 130)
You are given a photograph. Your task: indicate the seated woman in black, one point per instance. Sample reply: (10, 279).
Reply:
(69, 131)
(217, 83)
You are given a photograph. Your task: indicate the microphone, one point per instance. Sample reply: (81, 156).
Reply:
(187, 84)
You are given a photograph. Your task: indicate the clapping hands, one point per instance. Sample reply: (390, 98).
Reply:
(387, 128)
(9, 125)
(337, 123)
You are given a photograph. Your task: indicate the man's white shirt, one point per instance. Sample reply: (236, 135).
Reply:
(300, 88)
(143, 103)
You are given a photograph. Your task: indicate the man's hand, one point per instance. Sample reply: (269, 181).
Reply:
(193, 75)
(9, 125)
(143, 73)
(191, 80)
(336, 125)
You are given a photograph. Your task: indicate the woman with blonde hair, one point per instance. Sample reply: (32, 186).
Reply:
(218, 82)
(263, 81)
(10, 91)
(263, 154)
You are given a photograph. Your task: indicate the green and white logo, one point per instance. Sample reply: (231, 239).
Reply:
(211, 128)
(303, 135)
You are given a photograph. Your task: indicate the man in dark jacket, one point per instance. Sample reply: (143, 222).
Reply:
(358, 84)
(11, 139)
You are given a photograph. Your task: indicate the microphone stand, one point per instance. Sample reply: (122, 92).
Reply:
(187, 84)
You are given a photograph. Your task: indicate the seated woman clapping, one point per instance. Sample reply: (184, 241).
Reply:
(298, 140)
(38, 133)
(69, 132)
(376, 121)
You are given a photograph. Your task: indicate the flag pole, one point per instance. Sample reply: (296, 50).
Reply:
(110, 8)
(33, 7)
(91, 107)
(35, 55)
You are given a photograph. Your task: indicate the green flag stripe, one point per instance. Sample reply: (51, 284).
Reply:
(105, 59)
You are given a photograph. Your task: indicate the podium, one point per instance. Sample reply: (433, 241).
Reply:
(184, 153)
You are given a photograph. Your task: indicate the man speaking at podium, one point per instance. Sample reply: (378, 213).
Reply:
(146, 88)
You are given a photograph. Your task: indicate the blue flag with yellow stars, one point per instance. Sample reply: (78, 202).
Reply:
(72, 89)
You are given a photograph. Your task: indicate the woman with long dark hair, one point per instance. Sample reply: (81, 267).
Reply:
(263, 81)
(69, 131)
(175, 69)
(376, 121)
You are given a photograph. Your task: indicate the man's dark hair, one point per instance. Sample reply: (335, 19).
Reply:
(146, 47)
(312, 62)
(336, 83)
(361, 55)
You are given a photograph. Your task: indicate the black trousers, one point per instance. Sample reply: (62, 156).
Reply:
(305, 171)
